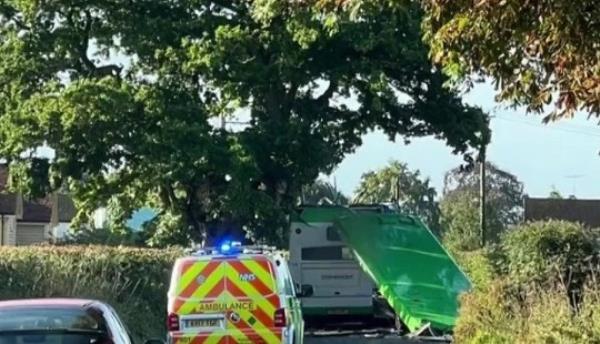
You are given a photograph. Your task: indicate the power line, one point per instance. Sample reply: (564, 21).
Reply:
(542, 126)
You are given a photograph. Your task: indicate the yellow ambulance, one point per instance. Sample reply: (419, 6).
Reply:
(233, 295)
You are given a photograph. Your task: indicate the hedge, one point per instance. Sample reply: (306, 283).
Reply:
(540, 285)
(134, 281)
(540, 252)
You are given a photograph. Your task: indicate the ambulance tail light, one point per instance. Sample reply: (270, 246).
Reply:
(173, 322)
(280, 318)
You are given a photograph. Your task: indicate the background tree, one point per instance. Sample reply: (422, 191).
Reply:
(323, 192)
(398, 184)
(536, 51)
(460, 205)
(142, 133)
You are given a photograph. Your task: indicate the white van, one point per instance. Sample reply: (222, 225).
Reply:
(322, 263)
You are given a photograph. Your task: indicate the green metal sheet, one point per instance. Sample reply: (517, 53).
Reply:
(321, 214)
(411, 268)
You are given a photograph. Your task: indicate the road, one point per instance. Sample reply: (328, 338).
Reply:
(362, 340)
(354, 333)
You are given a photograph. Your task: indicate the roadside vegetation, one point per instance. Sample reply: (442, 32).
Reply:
(134, 281)
(232, 110)
(539, 284)
(533, 282)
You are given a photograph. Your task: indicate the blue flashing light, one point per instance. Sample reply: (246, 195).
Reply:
(225, 247)
(230, 247)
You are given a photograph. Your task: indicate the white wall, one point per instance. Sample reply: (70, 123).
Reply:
(100, 218)
(60, 232)
(9, 230)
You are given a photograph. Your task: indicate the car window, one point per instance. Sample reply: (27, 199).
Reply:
(118, 329)
(50, 318)
(51, 326)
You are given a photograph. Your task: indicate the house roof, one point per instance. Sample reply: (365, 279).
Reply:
(8, 204)
(584, 211)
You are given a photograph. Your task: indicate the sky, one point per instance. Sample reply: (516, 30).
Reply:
(562, 156)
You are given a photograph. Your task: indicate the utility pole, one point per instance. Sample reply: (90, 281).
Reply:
(398, 191)
(482, 196)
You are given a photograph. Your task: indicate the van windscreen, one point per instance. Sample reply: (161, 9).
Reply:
(327, 253)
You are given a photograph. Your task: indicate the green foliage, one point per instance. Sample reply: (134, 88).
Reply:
(134, 281)
(129, 109)
(460, 221)
(480, 265)
(107, 237)
(499, 314)
(536, 52)
(543, 287)
(488, 316)
(460, 206)
(398, 184)
(540, 252)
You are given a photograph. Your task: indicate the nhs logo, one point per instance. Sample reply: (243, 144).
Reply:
(247, 277)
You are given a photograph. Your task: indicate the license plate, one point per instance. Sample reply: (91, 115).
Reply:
(200, 323)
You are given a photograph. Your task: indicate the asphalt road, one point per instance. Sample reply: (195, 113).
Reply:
(362, 340)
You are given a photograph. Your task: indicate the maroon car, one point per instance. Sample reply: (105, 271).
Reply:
(61, 321)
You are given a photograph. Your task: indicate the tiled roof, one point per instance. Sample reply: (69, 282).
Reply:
(585, 211)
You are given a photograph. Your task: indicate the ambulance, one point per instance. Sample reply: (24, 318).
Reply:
(234, 295)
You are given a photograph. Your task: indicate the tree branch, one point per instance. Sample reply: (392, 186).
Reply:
(82, 49)
(333, 84)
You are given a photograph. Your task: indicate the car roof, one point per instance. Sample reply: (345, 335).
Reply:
(48, 302)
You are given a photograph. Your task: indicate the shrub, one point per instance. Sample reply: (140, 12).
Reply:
(501, 314)
(134, 281)
(541, 252)
(479, 265)
(487, 316)
(107, 237)
(524, 288)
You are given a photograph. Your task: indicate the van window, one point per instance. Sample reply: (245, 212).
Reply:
(284, 278)
(327, 253)
(288, 288)
(333, 234)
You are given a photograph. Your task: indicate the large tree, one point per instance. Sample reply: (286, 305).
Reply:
(535, 51)
(460, 205)
(396, 183)
(141, 132)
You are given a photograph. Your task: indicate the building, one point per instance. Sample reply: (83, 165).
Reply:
(27, 222)
(584, 211)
